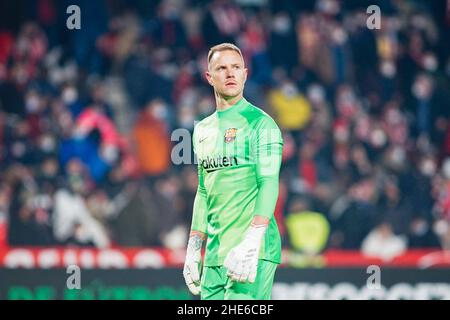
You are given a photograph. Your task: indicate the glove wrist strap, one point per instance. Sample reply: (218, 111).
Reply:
(256, 232)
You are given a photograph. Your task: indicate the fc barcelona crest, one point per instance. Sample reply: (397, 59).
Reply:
(230, 135)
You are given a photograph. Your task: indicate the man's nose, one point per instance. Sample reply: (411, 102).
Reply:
(230, 73)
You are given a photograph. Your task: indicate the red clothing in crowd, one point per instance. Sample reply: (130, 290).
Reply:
(152, 144)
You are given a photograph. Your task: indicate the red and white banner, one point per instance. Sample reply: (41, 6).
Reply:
(140, 258)
(89, 258)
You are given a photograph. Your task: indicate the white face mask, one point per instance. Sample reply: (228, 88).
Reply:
(339, 36)
(47, 143)
(378, 138)
(446, 168)
(421, 88)
(341, 135)
(420, 228)
(70, 95)
(398, 156)
(316, 94)
(393, 116)
(428, 168)
(430, 62)
(160, 112)
(289, 90)
(388, 69)
(281, 24)
(18, 149)
(32, 103)
(109, 153)
(186, 118)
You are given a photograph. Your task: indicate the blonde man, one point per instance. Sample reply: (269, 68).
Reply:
(239, 151)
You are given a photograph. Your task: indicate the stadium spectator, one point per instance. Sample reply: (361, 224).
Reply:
(152, 140)
(72, 221)
(383, 243)
(308, 233)
(291, 110)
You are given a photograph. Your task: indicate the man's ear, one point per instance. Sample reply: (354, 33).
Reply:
(208, 77)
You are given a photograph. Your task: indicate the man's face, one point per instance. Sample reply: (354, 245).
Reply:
(227, 73)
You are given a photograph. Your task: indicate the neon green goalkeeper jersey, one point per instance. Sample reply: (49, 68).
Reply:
(239, 157)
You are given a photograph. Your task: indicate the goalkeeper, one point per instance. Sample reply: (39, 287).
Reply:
(239, 156)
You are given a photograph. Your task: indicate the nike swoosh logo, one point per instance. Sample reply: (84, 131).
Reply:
(201, 140)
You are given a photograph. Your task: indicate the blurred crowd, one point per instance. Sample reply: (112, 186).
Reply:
(86, 118)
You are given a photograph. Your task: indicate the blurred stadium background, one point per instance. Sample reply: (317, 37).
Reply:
(86, 117)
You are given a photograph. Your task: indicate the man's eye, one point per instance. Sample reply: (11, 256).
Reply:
(237, 67)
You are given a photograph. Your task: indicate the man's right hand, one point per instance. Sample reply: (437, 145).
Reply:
(193, 263)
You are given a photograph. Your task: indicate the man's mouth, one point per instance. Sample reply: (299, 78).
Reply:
(230, 84)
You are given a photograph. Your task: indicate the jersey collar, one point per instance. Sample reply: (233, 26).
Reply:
(235, 107)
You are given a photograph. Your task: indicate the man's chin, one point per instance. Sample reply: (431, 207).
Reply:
(230, 94)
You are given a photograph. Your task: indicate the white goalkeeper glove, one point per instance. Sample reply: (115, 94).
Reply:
(193, 264)
(242, 260)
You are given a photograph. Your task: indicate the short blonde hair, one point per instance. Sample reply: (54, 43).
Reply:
(223, 47)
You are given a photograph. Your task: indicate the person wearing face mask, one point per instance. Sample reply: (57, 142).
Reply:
(72, 222)
(431, 110)
(414, 183)
(421, 234)
(152, 140)
(395, 207)
(69, 96)
(282, 35)
(291, 109)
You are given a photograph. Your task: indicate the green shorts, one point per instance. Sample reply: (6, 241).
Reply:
(215, 284)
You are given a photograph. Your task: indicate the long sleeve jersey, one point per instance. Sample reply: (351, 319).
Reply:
(239, 157)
